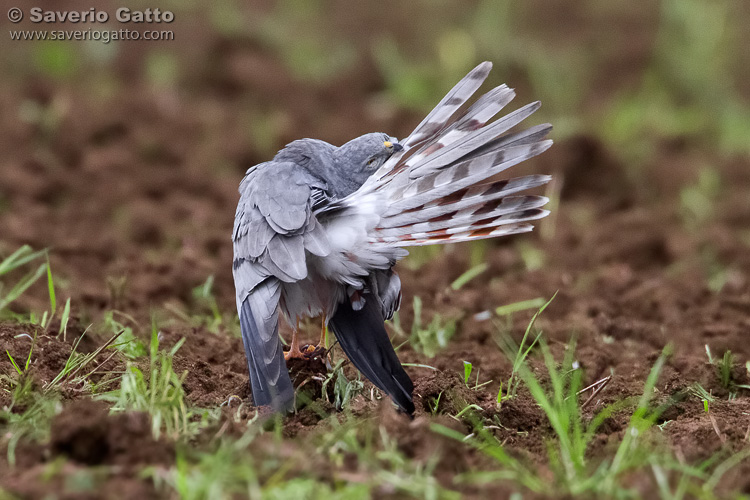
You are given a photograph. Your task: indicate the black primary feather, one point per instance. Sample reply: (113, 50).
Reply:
(363, 338)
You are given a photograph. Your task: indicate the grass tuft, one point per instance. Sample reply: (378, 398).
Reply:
(427, 339)
(518, 354)
(725, 372)
(17, 260)
(344, 390)
(574, 471)
(159, 393)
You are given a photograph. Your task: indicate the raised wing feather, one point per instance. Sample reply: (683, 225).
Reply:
(447, 107)
(434, 191)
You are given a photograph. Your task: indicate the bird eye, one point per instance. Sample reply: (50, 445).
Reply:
(371, 162)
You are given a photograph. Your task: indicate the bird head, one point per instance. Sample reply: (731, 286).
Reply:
(361, 157)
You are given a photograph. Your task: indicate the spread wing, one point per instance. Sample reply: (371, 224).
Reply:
(435, 190)
(439, 188)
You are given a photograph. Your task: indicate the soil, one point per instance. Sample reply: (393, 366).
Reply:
(134, 193)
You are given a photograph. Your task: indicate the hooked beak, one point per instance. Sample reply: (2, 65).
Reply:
(393, 146)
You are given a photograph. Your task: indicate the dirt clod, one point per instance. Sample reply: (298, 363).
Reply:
(87, 433)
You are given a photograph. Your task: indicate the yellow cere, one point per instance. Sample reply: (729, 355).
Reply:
(388, 144)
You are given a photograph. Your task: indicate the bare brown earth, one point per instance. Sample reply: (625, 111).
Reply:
(134, 193)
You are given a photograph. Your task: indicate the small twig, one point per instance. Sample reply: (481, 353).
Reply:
(680, 456)
(601, 385)
(747, 434)
(222, 430)
(94, 355)
(100, 364)
(127, 317)
(304, 382)
(716, 428)
(600, 381)
(228, 402)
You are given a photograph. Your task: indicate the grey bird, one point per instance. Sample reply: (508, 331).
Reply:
(319, 228)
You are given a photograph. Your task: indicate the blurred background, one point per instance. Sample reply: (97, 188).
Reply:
(124, 158)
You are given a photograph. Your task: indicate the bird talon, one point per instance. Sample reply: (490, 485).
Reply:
(294, 354)
(311, 351)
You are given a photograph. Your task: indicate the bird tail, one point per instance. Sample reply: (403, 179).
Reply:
(363, 338)
(259, 322)
(438, 189)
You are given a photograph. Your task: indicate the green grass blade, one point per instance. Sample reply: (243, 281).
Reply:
(519, 359)
(51, 289)
(13, 362)
(469, 275)
(22, 286)
(723, 468)
(10, 262)
(64, 318)
(18, 258)
(520, 306)
(639, 422)
(467, 371)
(447, 432)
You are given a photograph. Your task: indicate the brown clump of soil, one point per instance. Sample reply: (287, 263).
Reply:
(309, 373)
(85, 435)
(86, 432)
(48, 351)
(215, 365)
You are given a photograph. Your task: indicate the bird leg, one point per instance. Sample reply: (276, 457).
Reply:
(322, 342)
(294, 351)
